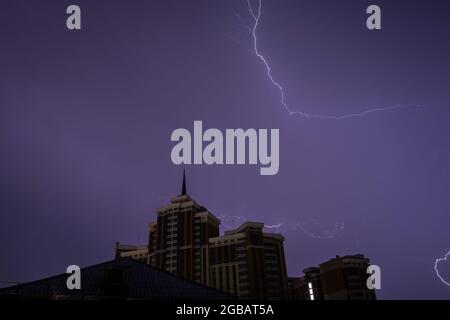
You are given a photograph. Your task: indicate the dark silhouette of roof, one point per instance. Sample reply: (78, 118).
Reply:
(122, 278)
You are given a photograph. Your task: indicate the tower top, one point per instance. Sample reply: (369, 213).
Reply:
(183, 187)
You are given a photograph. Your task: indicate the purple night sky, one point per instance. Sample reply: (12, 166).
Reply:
(86, 118)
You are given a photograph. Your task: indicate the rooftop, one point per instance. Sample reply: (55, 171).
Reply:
(123, 278)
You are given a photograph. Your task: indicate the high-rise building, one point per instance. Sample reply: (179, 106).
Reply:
(249, 263)
(178, 240)
(185, 240)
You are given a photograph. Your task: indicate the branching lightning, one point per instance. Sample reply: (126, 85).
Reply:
(436, 263)
(324, 234)
(313, 229)
(231, 222)
(275, 226)
(255, 13)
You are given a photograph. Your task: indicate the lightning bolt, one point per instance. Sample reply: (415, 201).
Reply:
(436, 263)
(256, 16)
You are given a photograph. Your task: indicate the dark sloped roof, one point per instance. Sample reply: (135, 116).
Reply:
(122, 278)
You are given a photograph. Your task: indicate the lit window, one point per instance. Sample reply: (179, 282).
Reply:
(311, 292)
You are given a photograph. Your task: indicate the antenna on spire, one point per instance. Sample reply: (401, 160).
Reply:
(183, 188)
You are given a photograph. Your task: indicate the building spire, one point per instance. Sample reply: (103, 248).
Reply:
(183, 188)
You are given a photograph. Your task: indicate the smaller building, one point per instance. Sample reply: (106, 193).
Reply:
(308, 287)
(340, 278)
(297, 289)
(344, 278)
(139, 253)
